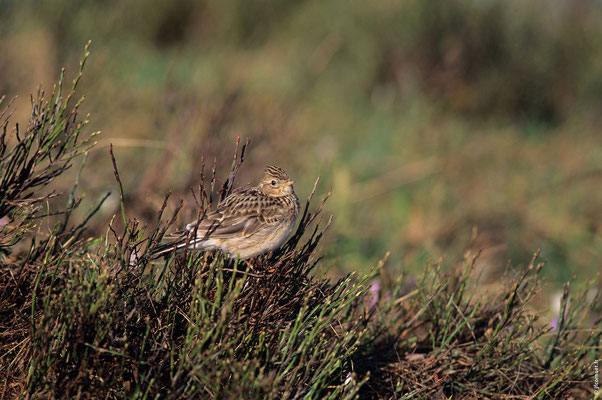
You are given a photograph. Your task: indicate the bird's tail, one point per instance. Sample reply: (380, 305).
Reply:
(167, 248)
(180, 240)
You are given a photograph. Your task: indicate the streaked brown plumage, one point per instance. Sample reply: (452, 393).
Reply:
(249, 222)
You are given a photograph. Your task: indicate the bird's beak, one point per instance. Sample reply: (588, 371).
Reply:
(289, 183)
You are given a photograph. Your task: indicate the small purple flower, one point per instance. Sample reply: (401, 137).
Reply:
(374, 291)
(554, 324)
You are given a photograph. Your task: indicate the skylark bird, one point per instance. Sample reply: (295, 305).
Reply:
(249, 222)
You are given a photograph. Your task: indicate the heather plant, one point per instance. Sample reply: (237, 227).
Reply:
(96, 317)
(32, 159)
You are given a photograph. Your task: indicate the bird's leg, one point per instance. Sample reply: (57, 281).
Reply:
(273, 270)
(249, 265)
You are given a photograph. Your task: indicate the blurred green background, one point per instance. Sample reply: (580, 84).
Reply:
(442, 126)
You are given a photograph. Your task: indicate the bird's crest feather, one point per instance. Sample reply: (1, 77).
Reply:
(276, 172)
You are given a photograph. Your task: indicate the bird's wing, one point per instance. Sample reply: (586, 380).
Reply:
(241, 214)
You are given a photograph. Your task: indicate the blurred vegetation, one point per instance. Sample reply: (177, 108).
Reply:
(443, 126)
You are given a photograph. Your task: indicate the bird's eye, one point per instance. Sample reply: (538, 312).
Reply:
(273, 183)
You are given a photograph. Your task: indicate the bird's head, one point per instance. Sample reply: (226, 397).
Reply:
(276, 182)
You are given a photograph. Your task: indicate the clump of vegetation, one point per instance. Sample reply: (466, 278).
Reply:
(451, 341)
(96, 318)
